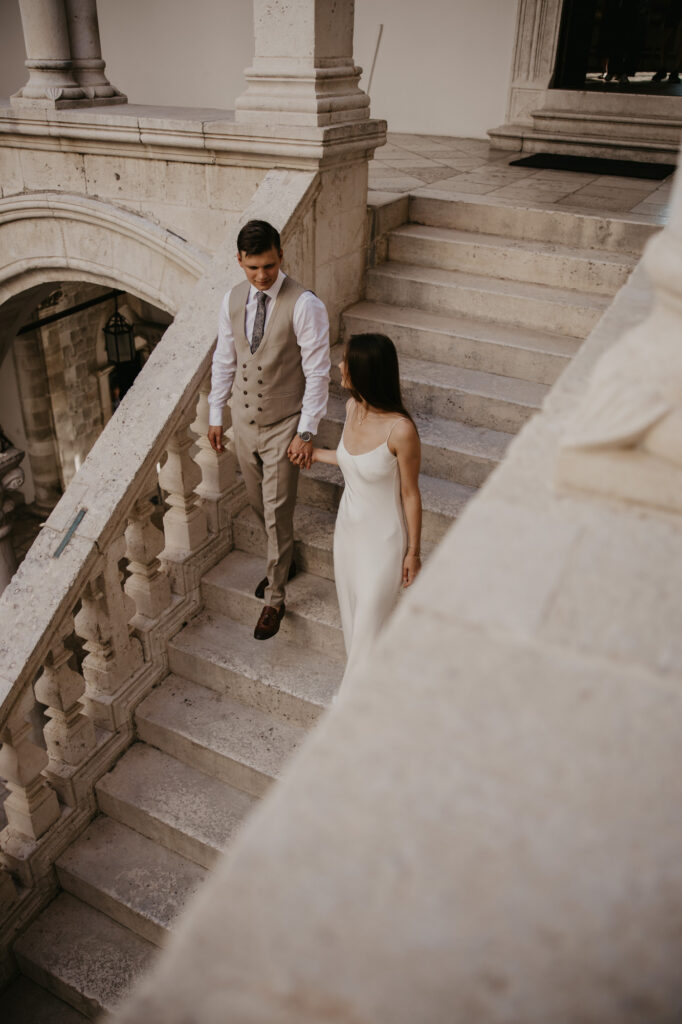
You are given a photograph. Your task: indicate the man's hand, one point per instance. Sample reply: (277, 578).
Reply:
(215, 436)
(301, 452)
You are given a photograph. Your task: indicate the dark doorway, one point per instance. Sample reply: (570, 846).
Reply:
(620, 44)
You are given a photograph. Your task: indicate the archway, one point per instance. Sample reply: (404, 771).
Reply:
(66, 258)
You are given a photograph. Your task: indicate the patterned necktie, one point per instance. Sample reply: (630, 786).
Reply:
(259, 322)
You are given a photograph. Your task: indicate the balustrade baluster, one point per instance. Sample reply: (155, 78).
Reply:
(114, 656)
(147, 585)
(184, 523)
(217, 469)
(32, 805)
(69, 735)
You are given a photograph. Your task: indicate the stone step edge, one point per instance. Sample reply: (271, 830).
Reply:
(459, 236)
(455, 327)
(151, 817)
(246, 768)
(127, 910)
(497, 287)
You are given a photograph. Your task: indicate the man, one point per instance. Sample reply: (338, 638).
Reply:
(272, 356)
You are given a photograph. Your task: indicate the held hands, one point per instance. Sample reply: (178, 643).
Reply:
(412, 563)
(301, 452)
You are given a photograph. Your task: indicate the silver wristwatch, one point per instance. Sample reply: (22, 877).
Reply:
(305, 436)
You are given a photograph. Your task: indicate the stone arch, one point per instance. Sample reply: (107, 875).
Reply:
(48, 237)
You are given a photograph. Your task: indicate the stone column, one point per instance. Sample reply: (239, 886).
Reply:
(303, 71)
(36, 410)
(86, 53)
(48, 57)
(535, 47)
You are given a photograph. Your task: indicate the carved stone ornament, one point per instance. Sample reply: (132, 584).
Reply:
(625, 438)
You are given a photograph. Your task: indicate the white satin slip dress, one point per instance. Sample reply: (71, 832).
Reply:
(370, 541)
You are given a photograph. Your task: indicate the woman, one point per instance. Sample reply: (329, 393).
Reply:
(378, 528)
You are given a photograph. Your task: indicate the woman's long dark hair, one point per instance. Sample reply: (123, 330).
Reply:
(373, 375)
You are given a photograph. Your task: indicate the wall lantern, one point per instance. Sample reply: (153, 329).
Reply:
(120, 340)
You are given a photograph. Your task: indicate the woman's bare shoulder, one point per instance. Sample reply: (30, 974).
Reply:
(404, 435)
(405, 430)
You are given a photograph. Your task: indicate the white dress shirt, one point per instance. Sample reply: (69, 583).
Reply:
(311, 327)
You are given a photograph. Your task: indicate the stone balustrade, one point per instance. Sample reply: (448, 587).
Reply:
(108, 581)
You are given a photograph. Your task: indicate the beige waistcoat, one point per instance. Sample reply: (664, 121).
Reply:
(268, 385)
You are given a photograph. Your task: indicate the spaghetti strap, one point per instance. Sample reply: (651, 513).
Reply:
(392, 426)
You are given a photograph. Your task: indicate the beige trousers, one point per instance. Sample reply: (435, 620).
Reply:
(271, 482)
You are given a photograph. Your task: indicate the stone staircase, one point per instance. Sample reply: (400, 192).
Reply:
(486, 303)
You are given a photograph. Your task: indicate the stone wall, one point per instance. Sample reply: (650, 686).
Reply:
(193, 198)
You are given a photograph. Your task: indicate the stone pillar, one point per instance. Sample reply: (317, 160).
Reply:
(303, 71)
(86, 53)
(11, 479)
(535, 48)
(48, 57)
(36, 410)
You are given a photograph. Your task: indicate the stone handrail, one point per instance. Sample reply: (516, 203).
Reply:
(63, 726)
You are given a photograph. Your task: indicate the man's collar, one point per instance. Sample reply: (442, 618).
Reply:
(273, 292)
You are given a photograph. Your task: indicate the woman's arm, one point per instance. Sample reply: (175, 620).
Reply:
(408, 450)
(326, 455)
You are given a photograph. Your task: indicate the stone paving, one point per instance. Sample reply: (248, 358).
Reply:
(452, 168)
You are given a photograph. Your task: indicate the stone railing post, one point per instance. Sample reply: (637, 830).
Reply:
(69, 735)
(147, 585)
(184, 524)
(303, 70)
(48, 57)
(86, 53)
(218, 475)
(32, 806)
(114, 656)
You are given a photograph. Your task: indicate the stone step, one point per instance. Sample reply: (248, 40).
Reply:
(312, 612)
(625, 129)
(133, 880)
(459, 341)
(82, 956)
(450, 450)
(312, 529)
(240, 745)
(288, 680)
(548, 263)
(531, 222)
(442, 500)
(470, 396)
(538, 307)
(24, 1002)
(188, 811)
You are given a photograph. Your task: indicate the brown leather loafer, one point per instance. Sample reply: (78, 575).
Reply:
(260, 589)
(268, 623)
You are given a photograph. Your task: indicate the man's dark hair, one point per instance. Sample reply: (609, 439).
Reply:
(258, 236)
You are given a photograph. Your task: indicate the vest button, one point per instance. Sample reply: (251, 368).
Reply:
(246, 392)
(259, 394)
(246, 405)
(243, 366)
(251, 422)
(259, 409)
(260, 367)
(260, 381)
